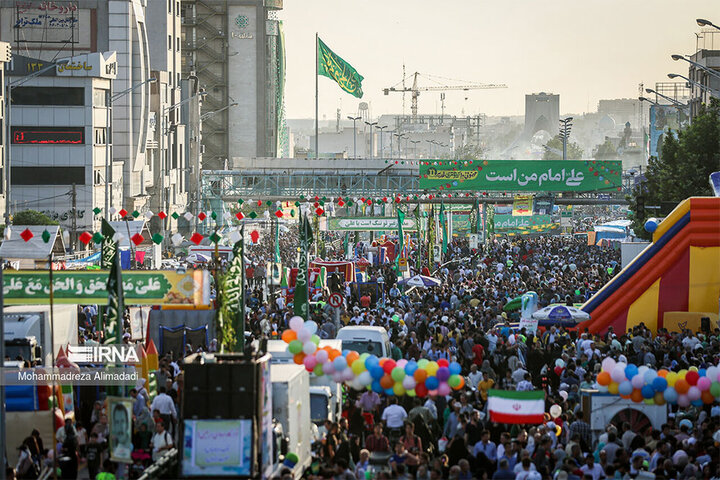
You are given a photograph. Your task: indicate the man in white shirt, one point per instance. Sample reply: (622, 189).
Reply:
(474, 377)
(165, 405)
(592, 468)
(394, 415)
(161, 441)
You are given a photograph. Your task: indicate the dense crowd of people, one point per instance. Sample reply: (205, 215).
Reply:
(463, 320)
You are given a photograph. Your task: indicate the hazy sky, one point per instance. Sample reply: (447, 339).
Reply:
(584, 50)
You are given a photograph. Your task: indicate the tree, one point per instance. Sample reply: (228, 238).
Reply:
(32, 217)
(469, 152)
(606, 151)
(555, 145)
(686, 160)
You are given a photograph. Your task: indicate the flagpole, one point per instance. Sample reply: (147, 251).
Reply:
(317, 152)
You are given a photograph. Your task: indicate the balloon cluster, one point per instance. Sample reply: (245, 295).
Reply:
(694, 386)
(366, 371)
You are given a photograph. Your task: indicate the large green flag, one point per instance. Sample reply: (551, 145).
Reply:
(421, 235)
(332, 66)
(116, 307)
(444, 228)
(431, 237)
(301, 306)
(401, 239)
(277, 242)
(475, 217)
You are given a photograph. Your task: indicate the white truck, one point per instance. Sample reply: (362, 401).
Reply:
(291, 408)
(325, 394)
(28, 333)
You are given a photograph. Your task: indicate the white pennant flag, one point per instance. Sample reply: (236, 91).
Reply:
(188, 216)
(176, 239)
(234, 236)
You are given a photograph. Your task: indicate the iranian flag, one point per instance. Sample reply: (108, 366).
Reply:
(509, 406)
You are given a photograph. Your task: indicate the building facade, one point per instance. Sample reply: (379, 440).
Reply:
(5, 56)
(59, 150)
(708, 55)
(236, 50)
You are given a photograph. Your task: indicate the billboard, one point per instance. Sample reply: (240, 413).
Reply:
(364, 224)
(148, 287)
(522, 175)
(217, 448)
(662, 118)
(523, 206)
(522, 225)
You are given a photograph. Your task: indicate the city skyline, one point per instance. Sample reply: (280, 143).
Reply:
(619, 55)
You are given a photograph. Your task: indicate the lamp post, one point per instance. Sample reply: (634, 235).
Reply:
(645, 99)
(669, 99)
(8, 122)
(712, 72)
(706, 23)
(382, 129)
(565, 127)
(415, 142)
(711, 91)
(371, 125)
(399, 136)
(109, 99)
(354, 119)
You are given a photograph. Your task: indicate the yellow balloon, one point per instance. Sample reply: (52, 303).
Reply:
(693, 368)
(431, 368)
(358, 366)
(671, 378)
(398, 389)
(682, 373)
(613, 388)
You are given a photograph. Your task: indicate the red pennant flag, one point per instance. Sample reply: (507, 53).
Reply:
(202, 216)
(239, 215)
(279, 214)
(86, 237)
(319, 211)
(254, 236)
(123, 213)
(162, 215)
(26, 235)
(137, 239)
(196, 238)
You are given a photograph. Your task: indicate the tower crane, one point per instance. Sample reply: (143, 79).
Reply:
(415, 89)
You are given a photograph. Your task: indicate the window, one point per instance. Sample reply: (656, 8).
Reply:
(48, 175)
(99, 135)
(48, 135)
(169, 42)
(98, 177)
(170, 3)
(177, 44)
(49, 96)
(99, 97)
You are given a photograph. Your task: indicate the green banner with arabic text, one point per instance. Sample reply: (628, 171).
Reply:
(156, 287)
(522, 175)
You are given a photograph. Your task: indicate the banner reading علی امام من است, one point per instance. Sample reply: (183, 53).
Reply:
(522, 175)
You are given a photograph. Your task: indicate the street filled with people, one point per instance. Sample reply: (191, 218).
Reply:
(464, 320)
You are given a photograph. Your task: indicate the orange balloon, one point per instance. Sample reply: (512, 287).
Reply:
(299, 358)
(603, 378)
(289, 335)
(328, 348)
(662, 373)
(461, 385)
(625, 396)
(334, 353)
(382, 361)
(707, 397)
(351, 357)
(386, 381)
(682, 386)
(420, 375)
(636, 395)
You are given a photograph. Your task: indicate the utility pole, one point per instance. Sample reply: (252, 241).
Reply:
(565, 127)
(73, 196)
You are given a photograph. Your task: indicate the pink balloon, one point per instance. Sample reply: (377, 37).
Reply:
(310, 361)
(432, 393)
(443, 389)
(328, 367)
(703, 384)
(322, 356)
(694, 393)
(348, 374)
(401, 363)
(683, 400)
(304, 335)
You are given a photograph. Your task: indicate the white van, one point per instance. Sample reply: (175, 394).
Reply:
(365, 339)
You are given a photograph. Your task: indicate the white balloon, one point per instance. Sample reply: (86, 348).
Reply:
(309, 348)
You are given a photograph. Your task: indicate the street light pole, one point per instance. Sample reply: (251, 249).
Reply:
(706, 23)
(711, 91)
(354, 119)
(565, 127)
(399, 137)
(371, 124)
(712, 72)
(669, 99)
(382, 129)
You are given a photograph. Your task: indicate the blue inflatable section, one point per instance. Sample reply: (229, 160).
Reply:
(21, 398)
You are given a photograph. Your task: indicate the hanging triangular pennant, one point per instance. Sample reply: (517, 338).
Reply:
(86, 237)
(175, 215)
(157, 238)
(135, 214)
(123, 213)
(239, 215)
(196, 238)
(97, 210)
(46, 236)
(202, 216)
(176, 239)
(215, 238)
(137, 239)
(97, 237)
(162, 215)
(213, 215)
(253, 215)
(26, 235)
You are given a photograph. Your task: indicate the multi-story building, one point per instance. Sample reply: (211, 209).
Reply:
(5, 56)
(48, 30)
(59, 146)
(236, 50)
(707, 54)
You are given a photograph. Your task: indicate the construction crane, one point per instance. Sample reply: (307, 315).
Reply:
(415, 89)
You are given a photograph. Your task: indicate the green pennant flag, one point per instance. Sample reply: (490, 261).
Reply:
(346, 244)
(277, 242)
(443, 227)
(300, 302)
(108, 246)
(475, 217)
(421, 235)
(233, 295)
(332, 66)
(116, 307)
(431, 237)
(401, 239)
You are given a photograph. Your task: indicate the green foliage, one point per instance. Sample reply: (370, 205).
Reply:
(469, 152)
(32, 217)
(574, 152)
(606, 151)
(683, 169)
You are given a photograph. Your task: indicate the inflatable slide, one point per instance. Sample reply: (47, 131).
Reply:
(678, 272)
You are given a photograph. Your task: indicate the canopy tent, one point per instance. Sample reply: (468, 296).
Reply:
(36, 251)
(345, 268)
(420, 281)
(561, 313)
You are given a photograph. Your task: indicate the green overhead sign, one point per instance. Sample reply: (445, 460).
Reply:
(365, 224)
(521, 175)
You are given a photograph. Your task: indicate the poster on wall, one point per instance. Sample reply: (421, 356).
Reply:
(219, 448)
(522, 206)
